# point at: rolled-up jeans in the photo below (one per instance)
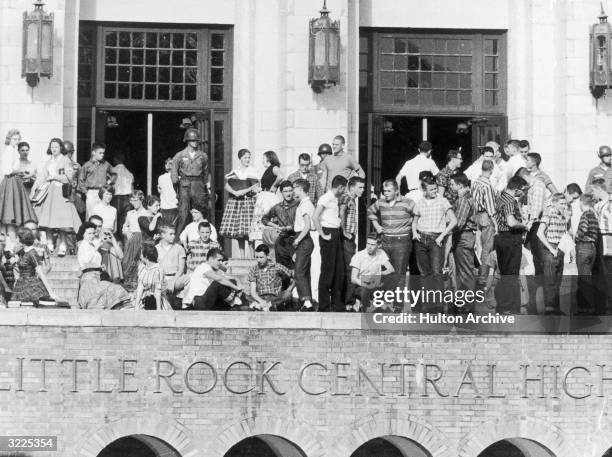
(303, 253)
(430, 259)
(398, 248)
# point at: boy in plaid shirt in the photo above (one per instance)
(266, 279)
(197, 250)
(553, 225)
(586, 254)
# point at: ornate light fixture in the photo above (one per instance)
(37, 45)
(600, 74)
(324, 51)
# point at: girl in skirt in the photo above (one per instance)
(242, 184)
(268, 197)
(15, 206)
(133, 240)
(32, 284)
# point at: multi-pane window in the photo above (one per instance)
(87, 45)
(217, 66)
(439, 72)
(364, 69)
(150, 65)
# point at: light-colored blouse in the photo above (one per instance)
(88, 256)
(131, 220)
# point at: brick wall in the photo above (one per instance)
(335, 423)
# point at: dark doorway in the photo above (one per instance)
(391, 446)
(444, 134)
(516, 447)
(138, 446)
(401, 138)
(265, 446)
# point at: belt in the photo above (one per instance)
(430, 233)
(88, 270)
(170, 274)
(397, 236)
(415, 188)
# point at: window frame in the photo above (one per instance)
(478, 72)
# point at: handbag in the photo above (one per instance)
(40, 194)
(66, 190)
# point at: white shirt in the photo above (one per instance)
(304, 208)
(108, 215)
(474, 172)
(413, 167)
(167, 194)
(369, 265)
(125, 180)
(514, 164)
(192, 233)
(198, 283)
(330, 217)
(415, 195)
(88, 256)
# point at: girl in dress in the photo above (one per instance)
(32, 284)
(54, 210)
(242, 184)
(268, 197)
(104, 209)
(93, 292)
(15, 206)
(150, 282)
(25, 168)
(133, 240)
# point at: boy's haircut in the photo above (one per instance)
(522, 172)
(356, 180)
(30, 221)
(108, 188)
(203, 224)
(428, 182)
(338, 181)
(524, 144)
(486, 149)
(573, 188)
(139, 194)
(163, 228)
(425, 146)
(214, 252)
(95, 217)
(263, 248)
(374, 236)
(461, 179)
(425, 174)
(151, 199)
(514, 143)
(97, 145)
(487, 165)
(302, 184)
(286, 183)
(341, 138)
(516, 182)
(149, 252)
(305, 157)
(390, 183)
(537, 158)
(587, 199)
(452, 154)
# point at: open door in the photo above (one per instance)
(372, 147)
(485, 129)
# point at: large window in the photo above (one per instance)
(438, 72)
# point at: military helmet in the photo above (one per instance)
(191, 135)
(605, 151)
(325, 149)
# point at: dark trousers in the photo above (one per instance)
(192, 192)
(303, 251)
(463, 252)
(169, 217)
(122, 204)
(364, 294)
(398, 248)
(349, 248)
(487, 236)
(214, 299)
(537, 249)
(586, 256)
(508, 290)
(284, 250)
(331, 280)
(553, 275)
(599, 280)
(430, 259)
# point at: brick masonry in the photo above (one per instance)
(331, 424)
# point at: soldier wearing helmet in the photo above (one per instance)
(190, 172)
(325, 150)
(340, 163)
(602, 170)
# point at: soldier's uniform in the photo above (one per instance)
(601, 171)
(190, 172)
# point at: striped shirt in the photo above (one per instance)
(556, 223)
(604, 213)
(465, 211)
(349, 224)
(484, 196)
(432, 214)
(506, 205)
(395, 216)
(197, 252)
(588, 227)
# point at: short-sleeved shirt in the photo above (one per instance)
(192, 232)
(167, 194)
(315, 190)
(107, 213)
(150, 278)
(169, 258)
(395, 216)
(94, 175)
(413, 167)
(443, 180)
(269, 280)
(197, 251)
(330, 216)
(506, 205)
(432, 214)
(465, 210)
(556, 223)
(349, 224)
(198, 282)
(588, 227)
(304, 208)
(342, 164)
(369, 265)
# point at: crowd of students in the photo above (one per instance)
(501, 226)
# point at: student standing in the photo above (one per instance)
(94, 174)
(302, 243)
(167, 195)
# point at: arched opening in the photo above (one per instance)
(516, 447)
(608, 453)
(265, 446)
(391, 446)
(139, 446)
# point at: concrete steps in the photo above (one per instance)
(65, 272)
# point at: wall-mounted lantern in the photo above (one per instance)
(600, 76)
(324, 51)
(37, 44)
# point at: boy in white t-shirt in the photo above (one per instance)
(167, 196)
(303, 243)
(368, 268)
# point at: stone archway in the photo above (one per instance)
(265, 446)
(411, 434)
(533, 437)
(391, 446)
(139, 446)
(516, 447)
(285, 437)
(150, 428)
